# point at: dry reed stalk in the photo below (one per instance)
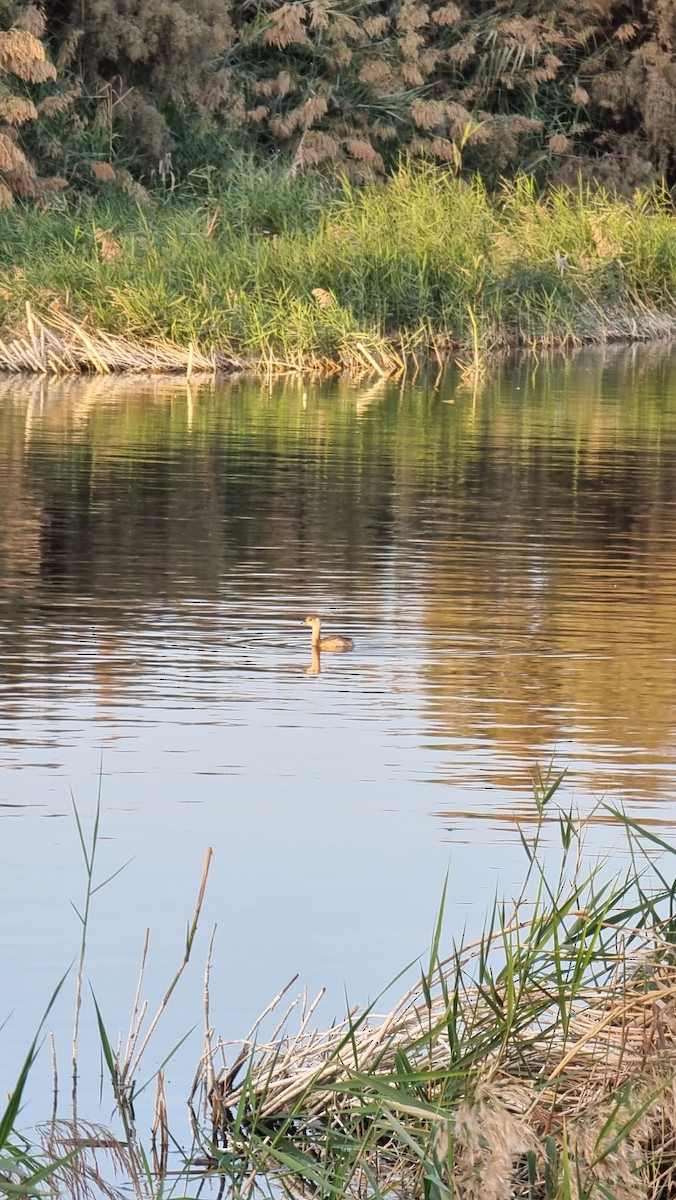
(160, 1130)
(128, 1068)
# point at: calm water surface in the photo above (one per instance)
(506, 563)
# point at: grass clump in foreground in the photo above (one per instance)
(278, 272)
(537, 1062)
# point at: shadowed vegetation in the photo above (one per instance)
(165, 88)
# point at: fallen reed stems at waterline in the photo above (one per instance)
(538, 1061)
(277, 273)
(58, 345)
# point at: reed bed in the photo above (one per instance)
(277, 273)
(538, 1061)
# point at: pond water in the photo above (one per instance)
(505, 561)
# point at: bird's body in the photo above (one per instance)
(334, 644)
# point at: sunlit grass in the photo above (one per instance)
(281, 270)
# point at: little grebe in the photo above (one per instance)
(335, 643)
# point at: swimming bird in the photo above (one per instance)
(335, 643)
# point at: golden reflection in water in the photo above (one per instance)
(315, 663)
(527, 815)
(577, 650)
(519, 549)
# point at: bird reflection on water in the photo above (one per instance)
(315, 667)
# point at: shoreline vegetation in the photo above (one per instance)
(279, 272)
(536, 1061)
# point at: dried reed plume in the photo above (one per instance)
(22, 57)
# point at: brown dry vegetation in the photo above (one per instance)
(23, 62)
(569, 1111)
(547, 85)
(534, 1063)
(555, 87)
(353, 84)
(42, 121)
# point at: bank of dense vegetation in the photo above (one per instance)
(229, 176)
(280, 271)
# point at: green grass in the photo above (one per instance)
(294, 271)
